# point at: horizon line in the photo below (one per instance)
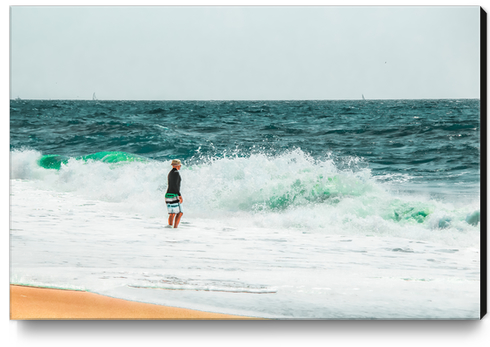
(375, 99)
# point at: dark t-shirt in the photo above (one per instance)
(174, 182)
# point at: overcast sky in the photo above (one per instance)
(244, 53)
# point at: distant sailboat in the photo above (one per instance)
(93, 97)
(363, 98)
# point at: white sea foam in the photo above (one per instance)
(63, 240)
(291, 190)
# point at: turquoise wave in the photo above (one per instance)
(322, 189)
(230, 186)
(54, 161)
(367, 201)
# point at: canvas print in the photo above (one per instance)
(245, 162)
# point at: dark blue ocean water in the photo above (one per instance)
(431, 140)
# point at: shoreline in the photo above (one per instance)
(37, 303)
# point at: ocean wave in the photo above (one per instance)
(54, 161)
(288, 190)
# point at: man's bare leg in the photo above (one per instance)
(171, 218)
(177, 219)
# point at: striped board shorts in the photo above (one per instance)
(173, 203)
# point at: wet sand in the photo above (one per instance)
(31, 303)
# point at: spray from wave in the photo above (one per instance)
(290, 190)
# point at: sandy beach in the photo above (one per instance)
(31, 303)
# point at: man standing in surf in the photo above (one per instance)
(172, 197)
